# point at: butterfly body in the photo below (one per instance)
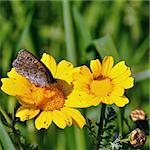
(27, 65)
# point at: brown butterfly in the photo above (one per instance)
(27, 65)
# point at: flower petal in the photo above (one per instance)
(117, 70)
(78, 99)
(82, 78)
(14, 87)
(50, 63)
(64, 71)
(68, 118)
(25, 113)
(107, 65)
(44, 120)
(122, 77)
(95, 66)
(127, 83)
(120, 101)
(13, 74)
(78, 119)
(59, 119)
(106, 100)
(118, 91)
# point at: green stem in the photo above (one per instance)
(100, 129)
(126, 121)
(125, 140)
(120, 121)
(69, 32)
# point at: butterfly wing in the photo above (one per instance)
(27, 65)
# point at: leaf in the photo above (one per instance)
(106, 47)
(140, 52)
(82, 28)
(82, 33)
(69, 32)
(5, 139)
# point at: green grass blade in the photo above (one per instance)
(82, 32)
(5, 140)
(8, 120)
(80, 138)
(105, 46)
(69, 32)
(81, 27)
(140, 52)
(25, 31)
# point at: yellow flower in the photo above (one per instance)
(49, 103)
(104, 83)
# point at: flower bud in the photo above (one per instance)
(137, 114)
(137, 138)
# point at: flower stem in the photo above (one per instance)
(100, 129)
(120, 122)
(125, 140)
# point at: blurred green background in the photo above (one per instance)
(44, 26)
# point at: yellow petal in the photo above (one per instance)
(127, 83)
(68, 119)
(95, 101)
(14, 87)
(76, 116)
(26, 100)
(78, 99)
(59, 119)
(13, 74)
(117, 70)
(118, 91)
(107, 65)
(95, 66)
(44, 120)
(50, 63)
(86, 71)
(120, 101)
(106, 100)
(64, 71)
(82, 78)
(122, 77)
(25, 113)
(76, 69)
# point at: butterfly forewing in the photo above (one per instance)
(27, 65)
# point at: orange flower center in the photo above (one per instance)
(48, 98)
(101, 87)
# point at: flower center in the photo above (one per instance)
(48, 98)
(101, 87)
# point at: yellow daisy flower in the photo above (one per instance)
(49, 103)
(104, 83)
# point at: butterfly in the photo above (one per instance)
(27, 65)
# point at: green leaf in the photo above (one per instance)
(85, 35)
(69, 32)
(82, 33)
(5, 139)
(106, 47)
(25, 31)
(140, 52)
